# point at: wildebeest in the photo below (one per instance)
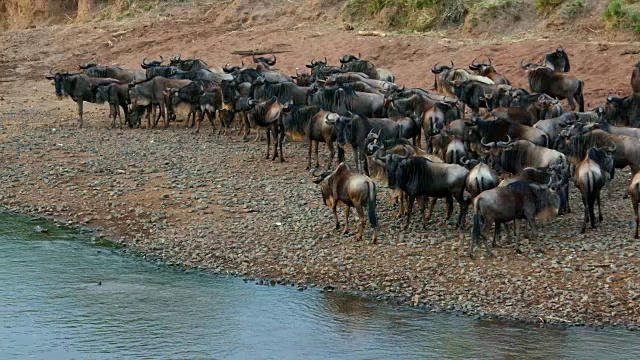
(117, 95)
(267, 115)
(553, 127)
(353, 190)
(446, 75)
(153, 63)
(421, 178)
(617, 130)
(528, 110)
(354, 129)
(343, 100)
(487, 70)
(455, 151)
(499, 129)
(623, 111)
(112, 72)
(78, 87)
(519, 200)
(302, 79)
(516, 155)
(555, 84)
(188, 94)
(312, 123)
(188, 64)
(352, 63)
(559, 60)
(579, 138)
(591, 176)
(473, 94)
(634, 191)
(284, 91)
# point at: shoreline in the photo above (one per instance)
(381, 298)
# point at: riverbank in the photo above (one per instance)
(214, 202)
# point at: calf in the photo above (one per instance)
(592, 174)
(519, 200)
(353, 190)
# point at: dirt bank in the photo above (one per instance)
(214, 202)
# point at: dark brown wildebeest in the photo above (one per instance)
(499, 129)
(559, 60)
(303, 79)
(481, 177)
(634, 191)
(352, 63)
(487, 70)
(623, 111)
(267, 115)
(519, 200)
(555, 84)
(342, 185)
(78, 87)
(421, 178)
(592, 174)
(313, 124)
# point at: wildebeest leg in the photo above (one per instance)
(363, 221)
(572, 104)
(198, 123)
(332, 153)
(433, 204)
(449, 200)
(347, 210)
(112, 115)
(80, 111)
(585, 203)
(334, 208)
(592, 213)
(274, 131)
(315, 149)
(281, 136)
(309, 142)
(534, 230)
(599, 207)
(516, 237)
(496, 233)
(356, 157)
(211, 116)
(422, 202)
(635, 211)
(268, 142)
(412, 199)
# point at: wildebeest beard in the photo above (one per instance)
(282, 91)
(336, 98)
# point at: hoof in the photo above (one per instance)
(518, 251)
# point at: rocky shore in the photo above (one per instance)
(214, 202)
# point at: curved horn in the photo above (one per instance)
(486, 144)
(144, 61)
(161, 59)
(273, 62)
(473, 65)
(612, 148)
(503, 143)
(490, 62)
(359, 57)
(464, 160)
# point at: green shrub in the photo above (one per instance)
(622, 15)
(573, 8)
(543, 5)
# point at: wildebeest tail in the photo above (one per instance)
(371, 204)
(580, 96)
(476, 227)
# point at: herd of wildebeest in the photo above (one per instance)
(523, 136)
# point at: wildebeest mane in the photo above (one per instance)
(336, 98)
(300, 117)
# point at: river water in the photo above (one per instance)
(52, 307)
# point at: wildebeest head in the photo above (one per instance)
(439, 69)
(603, 156)
(482, 68)
(175, 60)
(60, 79)
(558, 60)
(614, 109)
(303, 79)
(151, 64)
(394, 162)
(87, 66)
(342, 127)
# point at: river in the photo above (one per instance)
(63, 298)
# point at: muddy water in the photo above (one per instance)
(52, 307)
